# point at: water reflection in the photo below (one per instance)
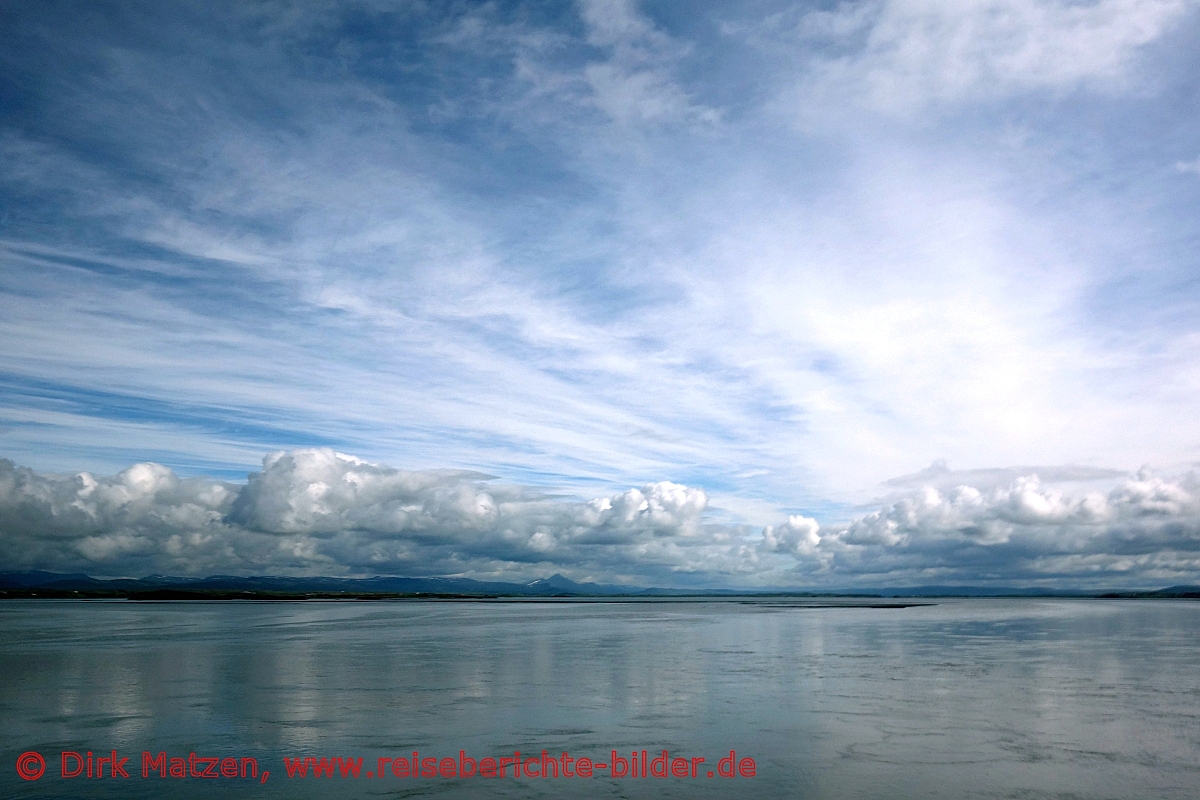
(969, 698)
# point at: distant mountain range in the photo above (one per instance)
(45, 584)
(220, 587)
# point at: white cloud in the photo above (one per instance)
(798, 536)
(1146, 528)
(939, 475)
(628, 74)
(634, 85)
(317, 511)
(899, 56)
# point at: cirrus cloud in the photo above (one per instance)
(900, 56)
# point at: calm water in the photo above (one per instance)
(964, 699)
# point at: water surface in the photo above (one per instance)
(991, 698)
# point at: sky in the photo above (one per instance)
(880, 293)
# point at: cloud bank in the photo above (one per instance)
(316, 511)
(319, 512)
(1146, 530)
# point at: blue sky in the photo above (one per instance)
(778, 253)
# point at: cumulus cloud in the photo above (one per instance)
(899, 56)
(316, 511)
(798, 536)
(1145, 530)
